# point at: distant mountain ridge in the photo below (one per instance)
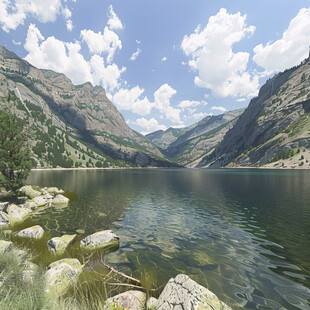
(84, 109)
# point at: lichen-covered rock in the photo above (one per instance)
(5, 246)
(29, 271)
(54, 190)
(34, 232)
(60, 244)
(61, 274)
(184, 293)
(4, 220)
(30, 205)
(17, 214)
(133, 300)
(40, 201)
(60, 199)
(104, 239)
(151, 303)
(29, 191)
(3, 206)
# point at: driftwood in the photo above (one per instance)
(130, 285)
(122, 274)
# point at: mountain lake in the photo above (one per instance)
(242, 233)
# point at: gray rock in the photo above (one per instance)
(16, 214)
(34, 232)
(5, 246)
(133, 300)
(29, 271)
(152, 303)
(104, 239)
(60, 199)
(29, 205)
(60, 244)
(40, 201)
(29, 191)
(61, 274)
(3, 206)
(54, 190)
(184, 293)
(4, 220)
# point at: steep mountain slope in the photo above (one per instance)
(186, 145)
(83, 111)
(275, 127)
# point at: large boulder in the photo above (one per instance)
(54, 190)
(60, 199)
(58, 245)
(3, 206)
(34, 232)
(61, 274)
(17, 214)
(133, 300)
(29, 191)
(5, 246)
(40, 201)
(4, 220)
(184, 293)
(104, 239)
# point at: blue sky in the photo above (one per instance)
(162, 63)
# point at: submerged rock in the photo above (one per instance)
(60, 199)
(29, 191)
(184, 293)
(60, 244)
(3, 206)
(61, 274)
(17, 214)
(5, 246)
(104, 239)
(133, 300)
(34, 232)
(4, 220)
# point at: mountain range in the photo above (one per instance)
(77, 125)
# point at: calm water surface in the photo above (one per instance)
(244, 234)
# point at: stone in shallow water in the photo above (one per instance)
(80, 231)
(5, 246)
(40, 201)
(133, 300)
(34, 232)
(104, 239)
(17, 214)
(54, 190)
(4, 220)
(29, 191)
(60, 244)
(61, 274)
(184, 293)
(60, 199)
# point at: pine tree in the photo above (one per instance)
(15, 161)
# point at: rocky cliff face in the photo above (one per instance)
(84, 109)
(274, 128)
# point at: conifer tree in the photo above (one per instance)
(15, 161)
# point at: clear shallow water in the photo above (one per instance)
(244, 234)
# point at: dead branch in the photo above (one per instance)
(130, 285)
(121, 273)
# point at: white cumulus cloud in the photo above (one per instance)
(288, 51)
(130, 99)
(150, 125)
(191, 103)
(13, 14)
(211, 55)
(135, 54)
(217, 108)
(69, 25)
(164, 59)
(106, 42)
(114, 22)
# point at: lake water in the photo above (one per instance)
(244, 234)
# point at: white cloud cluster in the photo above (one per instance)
(218, 108)
(69, 25)
(164, 58)
(106, 42)
(218, 67)
(114, 22)
(190, 104)
(135, 54)
(130, 99)
(13, 14)
(288, 51)
(150, 125)
(60, 56)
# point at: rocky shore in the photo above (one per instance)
(179, 293)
